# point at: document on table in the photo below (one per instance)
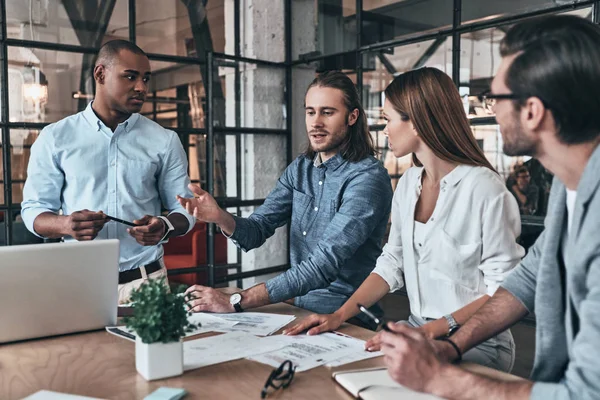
(209, 323)
(50, 395)
(360, 354)
(222, 348)
(260, 324)
(308, 352)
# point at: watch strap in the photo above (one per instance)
(169, 225)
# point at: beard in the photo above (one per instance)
(333, 142)
(515, 141)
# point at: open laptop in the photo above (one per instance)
(58, 288)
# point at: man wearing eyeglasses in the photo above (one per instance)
(547, 106)
(526, 193)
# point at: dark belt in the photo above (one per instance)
(134, 274)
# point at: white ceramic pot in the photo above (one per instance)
(158, 360)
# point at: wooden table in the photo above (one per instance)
(98, 364)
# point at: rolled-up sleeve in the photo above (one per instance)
(365, 205)
(501, 226)
(390, 266)
(173, 179)
(45, 180)
(522, 280)
(275, 212)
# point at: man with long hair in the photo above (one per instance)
(545, 96)
(336, 196)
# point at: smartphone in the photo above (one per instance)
(120, 220)
(372, 317)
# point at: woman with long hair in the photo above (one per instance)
(454, 223)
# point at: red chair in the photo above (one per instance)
(189, 251)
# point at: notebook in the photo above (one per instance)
(376, 384)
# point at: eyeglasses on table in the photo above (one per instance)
(281, 377)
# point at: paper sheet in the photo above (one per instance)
(308, 352)
(359, 354)
(260, 324)
(50, 395)
(227, 347)
(354, 357)
(210, 323)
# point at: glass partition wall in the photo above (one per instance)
(375, 40)
(215, 81)
(229, 76)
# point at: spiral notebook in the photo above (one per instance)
(376, 384)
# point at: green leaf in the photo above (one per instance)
(159, 315)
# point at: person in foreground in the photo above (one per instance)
(110, 158)
(338, 198)
(454, 223)
(547, 103)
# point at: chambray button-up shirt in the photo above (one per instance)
(338, 212)
(79, 163)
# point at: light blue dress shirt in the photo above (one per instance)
(79, 163)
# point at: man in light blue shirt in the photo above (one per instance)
(113, 161)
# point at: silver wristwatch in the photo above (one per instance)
(236, 301)
(452, 324)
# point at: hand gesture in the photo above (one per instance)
(203, 206)
(150, 230)
(85, 224)
(317, 322)
(202, 298)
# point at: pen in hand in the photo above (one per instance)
(372, 317)
(119, 220)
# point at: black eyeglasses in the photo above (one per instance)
(488, 99)
(279, 378)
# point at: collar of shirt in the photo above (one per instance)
(333, 163)
(97, 124)
(452, 178)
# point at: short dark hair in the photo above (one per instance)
(558, 59)
(521, 170)
(358, 143)
(110, 50)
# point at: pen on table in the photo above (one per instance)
(374, 318)
(119, 220)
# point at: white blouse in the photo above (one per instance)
(463, 252)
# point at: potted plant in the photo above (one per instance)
(160, 322)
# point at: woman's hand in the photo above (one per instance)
(317, 323)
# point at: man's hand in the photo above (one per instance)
(203, 298)
(203, 206)
(85, 224)
(150, 230)
(320, 322)
(410, 357)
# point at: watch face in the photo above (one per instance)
(235, 298)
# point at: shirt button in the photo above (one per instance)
(112, 164)
(431, 219)
(420, 244)
(320, 183)
(113, 191)
(304, 233)
(316, 208)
